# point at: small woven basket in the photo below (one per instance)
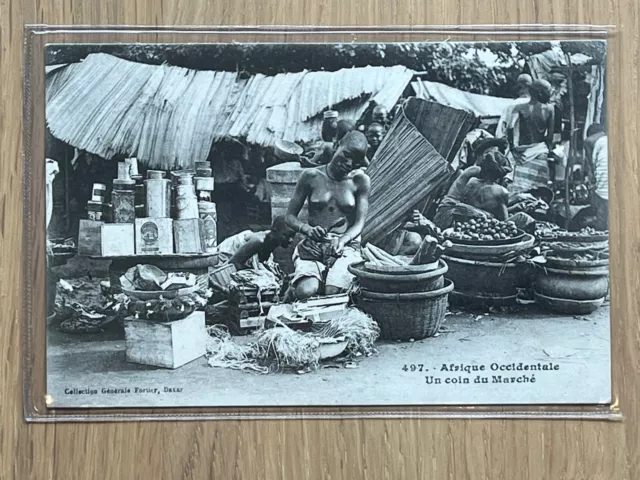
(406, 316)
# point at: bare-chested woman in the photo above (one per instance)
(338, 200)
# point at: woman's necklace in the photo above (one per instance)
(326, 167)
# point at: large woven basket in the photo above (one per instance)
(430, 280)
(406, 316)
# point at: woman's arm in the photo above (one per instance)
(302, 191)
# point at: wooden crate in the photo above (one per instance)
(118, 239)
(90, 238)
(187, 236)
(168, 344)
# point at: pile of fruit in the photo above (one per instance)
(378, 256)
(482, 229)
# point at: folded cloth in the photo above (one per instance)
(532, 170)
(314, 260)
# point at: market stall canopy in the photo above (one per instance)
(169, 116)
(546, 66)
(483, 106)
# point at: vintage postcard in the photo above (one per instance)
(353, 224)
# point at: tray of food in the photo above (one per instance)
(488, 231)
(586, 235)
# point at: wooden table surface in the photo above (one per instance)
(330, 449)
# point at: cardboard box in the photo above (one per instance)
(187, 235)
(118, 239)
(90, 238)
(168, 345)
(154, 236)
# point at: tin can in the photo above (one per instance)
(186, 202)
(158, 197)
(99, 192)
(182, 177)
(95, 210)
(156, 174)
(124, 184)
(133, 166)
(204, 171)
(208, 226)
(123, 202)
(124, 171)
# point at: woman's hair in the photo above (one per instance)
(344, 127)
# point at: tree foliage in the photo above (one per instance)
(461, 65)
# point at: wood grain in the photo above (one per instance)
(332, 449)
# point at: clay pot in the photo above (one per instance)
(573, 284)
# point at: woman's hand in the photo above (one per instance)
(317, 234)
(337, 245)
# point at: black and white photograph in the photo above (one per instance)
(327, 224)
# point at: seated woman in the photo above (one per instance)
(338, 200)
(477, 193)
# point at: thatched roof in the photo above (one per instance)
(170, 116)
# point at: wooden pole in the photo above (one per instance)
(572, 142)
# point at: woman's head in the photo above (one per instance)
(494, 166)
(350, 152)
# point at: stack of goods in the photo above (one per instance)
(165, 328)
(488, 262)
(575, 279)
(407, 297)
(142, 215)
(98, 238)
(252, 293)
(205, 184)
(96, 206)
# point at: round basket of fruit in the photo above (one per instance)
(586, 235)
(489, 231)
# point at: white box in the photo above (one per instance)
(165, 344)
(117, 239)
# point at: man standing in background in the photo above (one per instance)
(596, 149)
(507, 119)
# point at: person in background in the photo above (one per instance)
(507, 118)
(324, 156)
(375, 134)
(477, 193)
(249, 249)
(338, 199)
(531, 138)
(380, 115)
(596, 148)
